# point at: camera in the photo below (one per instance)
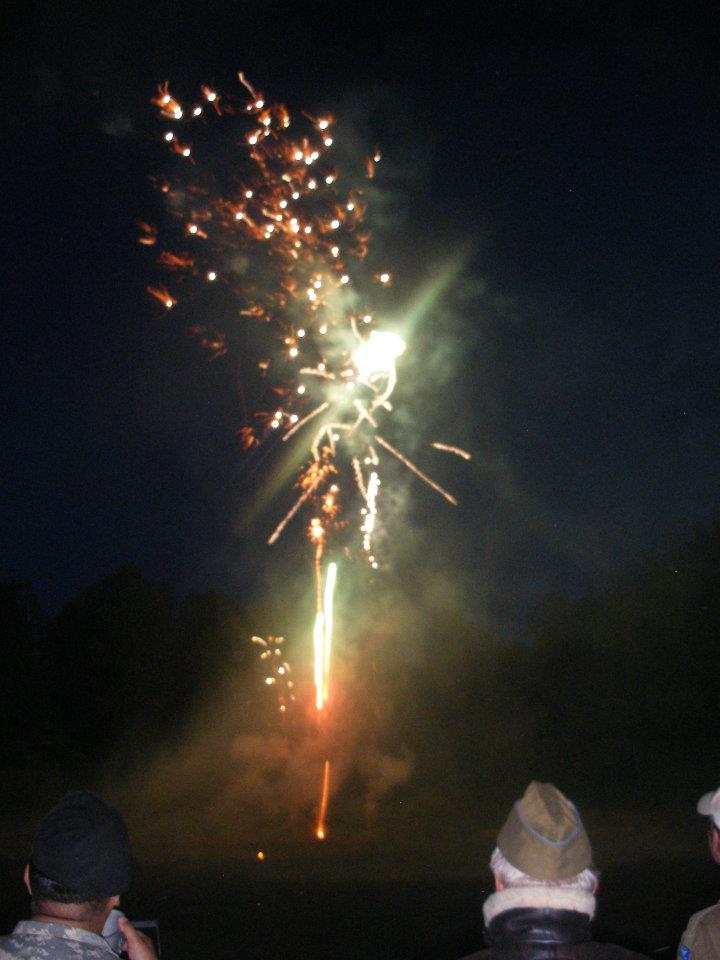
(114, 938)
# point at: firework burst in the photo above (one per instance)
(261, 214)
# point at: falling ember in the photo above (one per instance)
(458, 451)
(418, 473)
(322, 812)
(161, 294)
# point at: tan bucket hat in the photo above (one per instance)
(709, 806)
(544, 836)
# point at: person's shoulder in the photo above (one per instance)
(594, 950)
(702, 934)
(708, 916)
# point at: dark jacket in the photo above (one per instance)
(541, 933)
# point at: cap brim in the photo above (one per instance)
(709, 804)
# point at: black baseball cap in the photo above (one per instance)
(83, 844)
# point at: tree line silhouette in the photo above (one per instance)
(617, 686)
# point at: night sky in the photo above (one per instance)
(567, 151)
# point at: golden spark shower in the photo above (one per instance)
(263, 212)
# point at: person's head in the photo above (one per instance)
(709, 806)
(543, 843)
(80, 863)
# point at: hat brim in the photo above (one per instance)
(709, 804)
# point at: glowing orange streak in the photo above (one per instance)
(320, 830)
(301, 423)
(456, 450)
(322, 630)
(292, 511)
(328, 627)
(161, 294)
(418, 473)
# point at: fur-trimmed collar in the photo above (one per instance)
(551, 898)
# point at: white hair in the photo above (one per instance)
(510, 876)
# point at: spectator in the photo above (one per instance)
(80, 864)
(701, 940)
(545, 885)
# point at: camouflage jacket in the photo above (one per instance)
(31, 940)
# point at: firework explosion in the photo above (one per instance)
(278, 227)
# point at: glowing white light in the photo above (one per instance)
(384, 277)
(266, 122)
(169, 136)
(334, 224)
(350, 206)
(312, 184)
(300, 333)
(259, 104)
(212, 275)
(321, 367)
(367, 318)
(282, 204)
(324, 124)
(296, 195)
(298, 154)
(186, 152)
(344, 278)
(317, 284)
(378, 353)
(248, 194)
(178, 113)
(307, 229)
(329, 180)
(301, 389)
(312, 296)
(192, 228)
(166, 99)
(293, 418)
(335, 251)
(293, 351)
(252, 139)
(212, 96)
(323, 329)
(197, 111)
(350, 385)
(275, 424)
(239, 215)
(328, 141)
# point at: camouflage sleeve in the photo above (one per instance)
(701, 940)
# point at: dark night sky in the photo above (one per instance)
(572, 148)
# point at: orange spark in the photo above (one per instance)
(322, 812)
(161, 294)
(175, 261)
(149, 234)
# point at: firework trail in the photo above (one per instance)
(263, 227)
